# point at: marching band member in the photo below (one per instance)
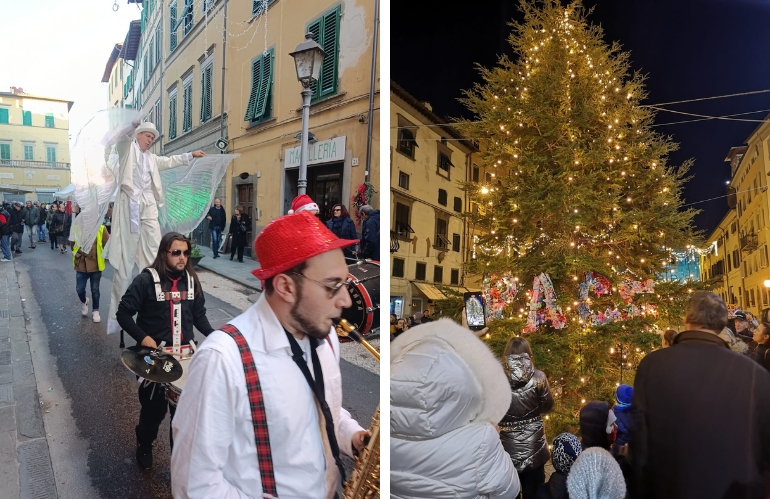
(168, 300)
(261, 413)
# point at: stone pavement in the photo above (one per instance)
(25, 461)
(233, 270)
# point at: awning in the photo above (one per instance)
(66, 193)
(15, 189)
(430, 291)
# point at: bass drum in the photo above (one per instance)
(364, 289)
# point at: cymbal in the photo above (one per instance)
(151, 364)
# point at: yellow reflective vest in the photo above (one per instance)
(98, 246)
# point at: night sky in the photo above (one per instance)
(687, 48)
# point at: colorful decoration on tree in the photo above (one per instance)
(601, 286)
(542, 306)
(629, 288)
(364, 194)
(498, 292)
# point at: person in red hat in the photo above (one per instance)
(261, 413)
(304, 203)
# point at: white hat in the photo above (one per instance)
(147, 127)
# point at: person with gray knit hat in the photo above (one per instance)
(565, 450)
(596, 475)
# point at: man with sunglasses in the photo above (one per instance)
(261, 412)
(167, 290)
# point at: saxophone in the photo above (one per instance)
(364, 482)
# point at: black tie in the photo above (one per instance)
(317, 387)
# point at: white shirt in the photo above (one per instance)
(214, 451)
(143, 178)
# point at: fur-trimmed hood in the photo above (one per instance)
(442, 377)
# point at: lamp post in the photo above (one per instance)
(308, 57)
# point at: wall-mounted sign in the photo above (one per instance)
(325, 151)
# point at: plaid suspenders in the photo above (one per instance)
(258, 414)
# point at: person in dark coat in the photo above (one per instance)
(370, 233)
(703, 429)
(239, 226)
(522, 431)
(60, 226)
(17, 226)
(623, 396)
(343, 227)
(217, 221)
(566, 448)
(759, 348)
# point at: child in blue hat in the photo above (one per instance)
(623, 396)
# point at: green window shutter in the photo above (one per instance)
(4, 115)
(144, 15)
(256, 78)
(50, 152)
(172, 117)
(206, 94)
(158, 44)
(315, 29)
(27, 118)
(5, 151)
(29, 153)
(331, 31)
(172, 25)
(263, 96)
(152, 5)
(150, 55)
(187, 109)
(49, 122)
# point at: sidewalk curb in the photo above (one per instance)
(25, 461)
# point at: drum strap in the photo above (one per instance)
(258, 413)
(175, 297)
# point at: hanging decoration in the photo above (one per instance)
(629, 288)
(364, 194)
(600, 285)
(542, 306)
(498, 292)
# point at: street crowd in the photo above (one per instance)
(696, 423)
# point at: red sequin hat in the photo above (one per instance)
(290, 240)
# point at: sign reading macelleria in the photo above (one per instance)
(325, 151)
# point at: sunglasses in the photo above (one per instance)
(332, 289)
(179, 252)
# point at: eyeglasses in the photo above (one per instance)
(332, 289)
(179, 252)
(337, 209)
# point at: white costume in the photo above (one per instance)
(214, 450)
(447, 394)
(135, 228)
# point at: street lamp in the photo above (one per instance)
(308, 57)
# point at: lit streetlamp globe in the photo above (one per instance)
(767, 283)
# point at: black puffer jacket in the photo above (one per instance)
(522, 432)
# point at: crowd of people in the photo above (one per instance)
(466, 424)
(39, 221)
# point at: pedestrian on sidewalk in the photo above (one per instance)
(343, 227)
(42, 213)
(5, 234)
(217, 221)
(370, 233)
(522, 431)
(172, 274)
(89, 267)
(240, 225)
(565, 449)
(49, 223)
(293, 448)
(17, 226)
(62, 222)
(31, 217)
(447, 393)
(702, 429)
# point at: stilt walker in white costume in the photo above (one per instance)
(135, 228)
(153, 195)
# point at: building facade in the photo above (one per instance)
(430, 240)
(34, 145)
(221, 69)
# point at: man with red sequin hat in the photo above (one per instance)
(261, 414)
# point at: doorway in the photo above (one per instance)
(246, 199)
(324, 186)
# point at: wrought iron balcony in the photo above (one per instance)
(394, 244)
(33, 164)
(749, 243)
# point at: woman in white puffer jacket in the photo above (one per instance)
(447, 393)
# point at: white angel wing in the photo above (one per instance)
(95, 169)
(189, 191)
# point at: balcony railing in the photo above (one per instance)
(33, 164)
(394, 245)
(749, 243)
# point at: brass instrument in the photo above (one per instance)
(364, 482)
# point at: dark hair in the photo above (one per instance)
(344, 211)
(160, 259)
(707, 310)
(269, 288)
(766, 331)
(517, 345)
(669, 336)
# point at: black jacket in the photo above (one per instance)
(370, 236)
(523, 434)
(236, 229)
(154, 317)
(218, 218)
(17, 217)
(557, 485)
(61, 223)
(703, 422)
